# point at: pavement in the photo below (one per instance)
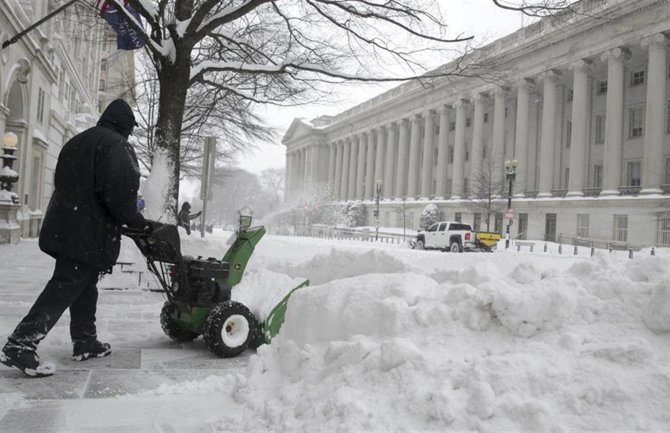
(142, 358)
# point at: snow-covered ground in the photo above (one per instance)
(389, 339)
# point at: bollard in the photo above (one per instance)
(518, 247)
(593, 251)
(575, 250)
(630, 253)
(545, 247)
(531, 247)
(611, 248)
(560, 248)
(653, 251)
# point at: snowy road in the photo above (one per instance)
(385, 339)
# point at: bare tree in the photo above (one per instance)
(486, 192)
(272, 180)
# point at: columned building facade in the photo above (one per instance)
(581, 102)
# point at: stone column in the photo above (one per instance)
(477, 141)
(498, 145)
(427, 163)
(653, 166)
(413, 169)
(360, 173)
(353, 164)
(338, 169)
(297, 177)
(331, 166)
(459, 149)
(521, 136)
(547, 140)
(580, 128)
(288, 175)
(346, 163)
(614, 120)
(442, 154)
(390, 166)
(379, 161)
(403, 156)
(370, 166)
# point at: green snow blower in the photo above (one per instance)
(198, 290)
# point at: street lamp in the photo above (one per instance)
(510, 170)
(378, 193)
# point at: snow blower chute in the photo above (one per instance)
(198, 290)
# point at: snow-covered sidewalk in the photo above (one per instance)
(385, 339)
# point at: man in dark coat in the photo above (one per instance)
(184, 217)
(96, 183)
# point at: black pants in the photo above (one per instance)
(72, 285)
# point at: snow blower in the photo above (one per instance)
(198, 290)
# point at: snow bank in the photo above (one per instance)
(530, 347)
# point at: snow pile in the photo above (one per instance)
(528, 347)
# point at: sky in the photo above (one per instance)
(384, 339)
(479, 18)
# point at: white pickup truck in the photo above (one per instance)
(455, 236)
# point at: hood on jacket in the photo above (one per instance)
(119, 117)
(186, 206)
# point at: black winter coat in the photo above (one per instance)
(96, 183)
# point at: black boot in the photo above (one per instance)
(93, 349)
(25, 360)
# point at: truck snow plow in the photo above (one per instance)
(456, 237)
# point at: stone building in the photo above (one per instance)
(578, 100)
(49, 91)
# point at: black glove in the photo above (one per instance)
(139, 223)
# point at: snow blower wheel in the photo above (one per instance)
(229, 329)
(172, 328)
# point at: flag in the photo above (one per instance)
(126, 37)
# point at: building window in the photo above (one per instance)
(620, 232)
(103, 64)
(598, 176)
(583, 225)
(468, 122)
(568, 134)
(637, 77)
(458, 216)
(102, 86)
(667, 171)
(602, 87)
(452, 126)
(567, 177)
(477, 222)
(635, 122)
(571, 95)
(466, 186)
(634, 173)
(667, 118)
(435, 153)
(506, 111)
(40, 105)
(498, 222)
(437, 129)
(486, 117)
(522, 226)
(451, 154)
(663, 230)
(600, 128)
(484, 149)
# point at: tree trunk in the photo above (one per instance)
(174, 81)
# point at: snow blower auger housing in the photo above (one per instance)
(198, 289)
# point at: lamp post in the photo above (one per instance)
(378, 193)
(510, 170)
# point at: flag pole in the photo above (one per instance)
(47, 17)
